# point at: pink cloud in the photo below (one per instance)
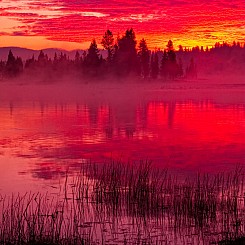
(81, 21)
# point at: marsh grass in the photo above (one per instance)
(126, 203)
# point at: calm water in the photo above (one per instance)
(185, 129)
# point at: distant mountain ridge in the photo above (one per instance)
(25, 53)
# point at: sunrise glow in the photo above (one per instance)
(73, 24)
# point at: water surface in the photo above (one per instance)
(187, 127)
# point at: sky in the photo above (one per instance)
(72, 24)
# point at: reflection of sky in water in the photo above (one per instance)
(41, 141)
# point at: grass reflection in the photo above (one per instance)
(131, 203)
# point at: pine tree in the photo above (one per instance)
(126, 57)
(42, 59)
(144, 56)
(92, 60)
(191, 71)
(108, 44)
(164, 65)
(77, 61)
(172, 68)
(11, 65)
(180, 68)
(55, 61)
(154, 65)
(19, 65)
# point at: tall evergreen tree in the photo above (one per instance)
(164, 65)
(144, 56)
(126, 57)
(42, 59)
(77, 61)
(55, 61)
(180, 68)
(172, 62)
(154, 65)
(2, 68)
(92, 60)
(30, 63)
(191, 71)
(19, 65)
(108, 44)
(10, 65)
(14, 66)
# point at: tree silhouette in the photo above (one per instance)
(30, 63)
(154, 65)
(172, 66)
(126, 56)
(144, 56)
(2, 68)
(180, 68)
(108, 44)
(164, 65)
(191, 71)
(14, 66)
(77, 61)
(170, 45)
(123, 59)
(19, 65)
(92, 60)
(55, 62)
(42, 59)
(10, 65)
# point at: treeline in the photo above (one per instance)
(124, 58)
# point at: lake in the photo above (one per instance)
(49, 131)
(188, 127)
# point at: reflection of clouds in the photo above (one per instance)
(48, 171)
(183, 131)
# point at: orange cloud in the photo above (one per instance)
(189, 23)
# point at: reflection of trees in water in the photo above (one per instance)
(85, 131)
(11, 108)
(171, 113)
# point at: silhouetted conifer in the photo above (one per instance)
(144, 56)
(92, 60)
(10, 65)
(19, 65)
(55, 62)
(30, 63)
(180, 68)
(191, 71)
(126, 55)
(14, 66)
(154, 65)
(2, 68)
(172, 66)
(164, 65)
(108, 44)
(42, 59)
(181, 48)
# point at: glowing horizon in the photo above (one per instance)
(73, 24)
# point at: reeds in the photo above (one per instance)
(128, 203)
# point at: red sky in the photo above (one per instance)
(72, 24)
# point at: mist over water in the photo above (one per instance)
(187, 126)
